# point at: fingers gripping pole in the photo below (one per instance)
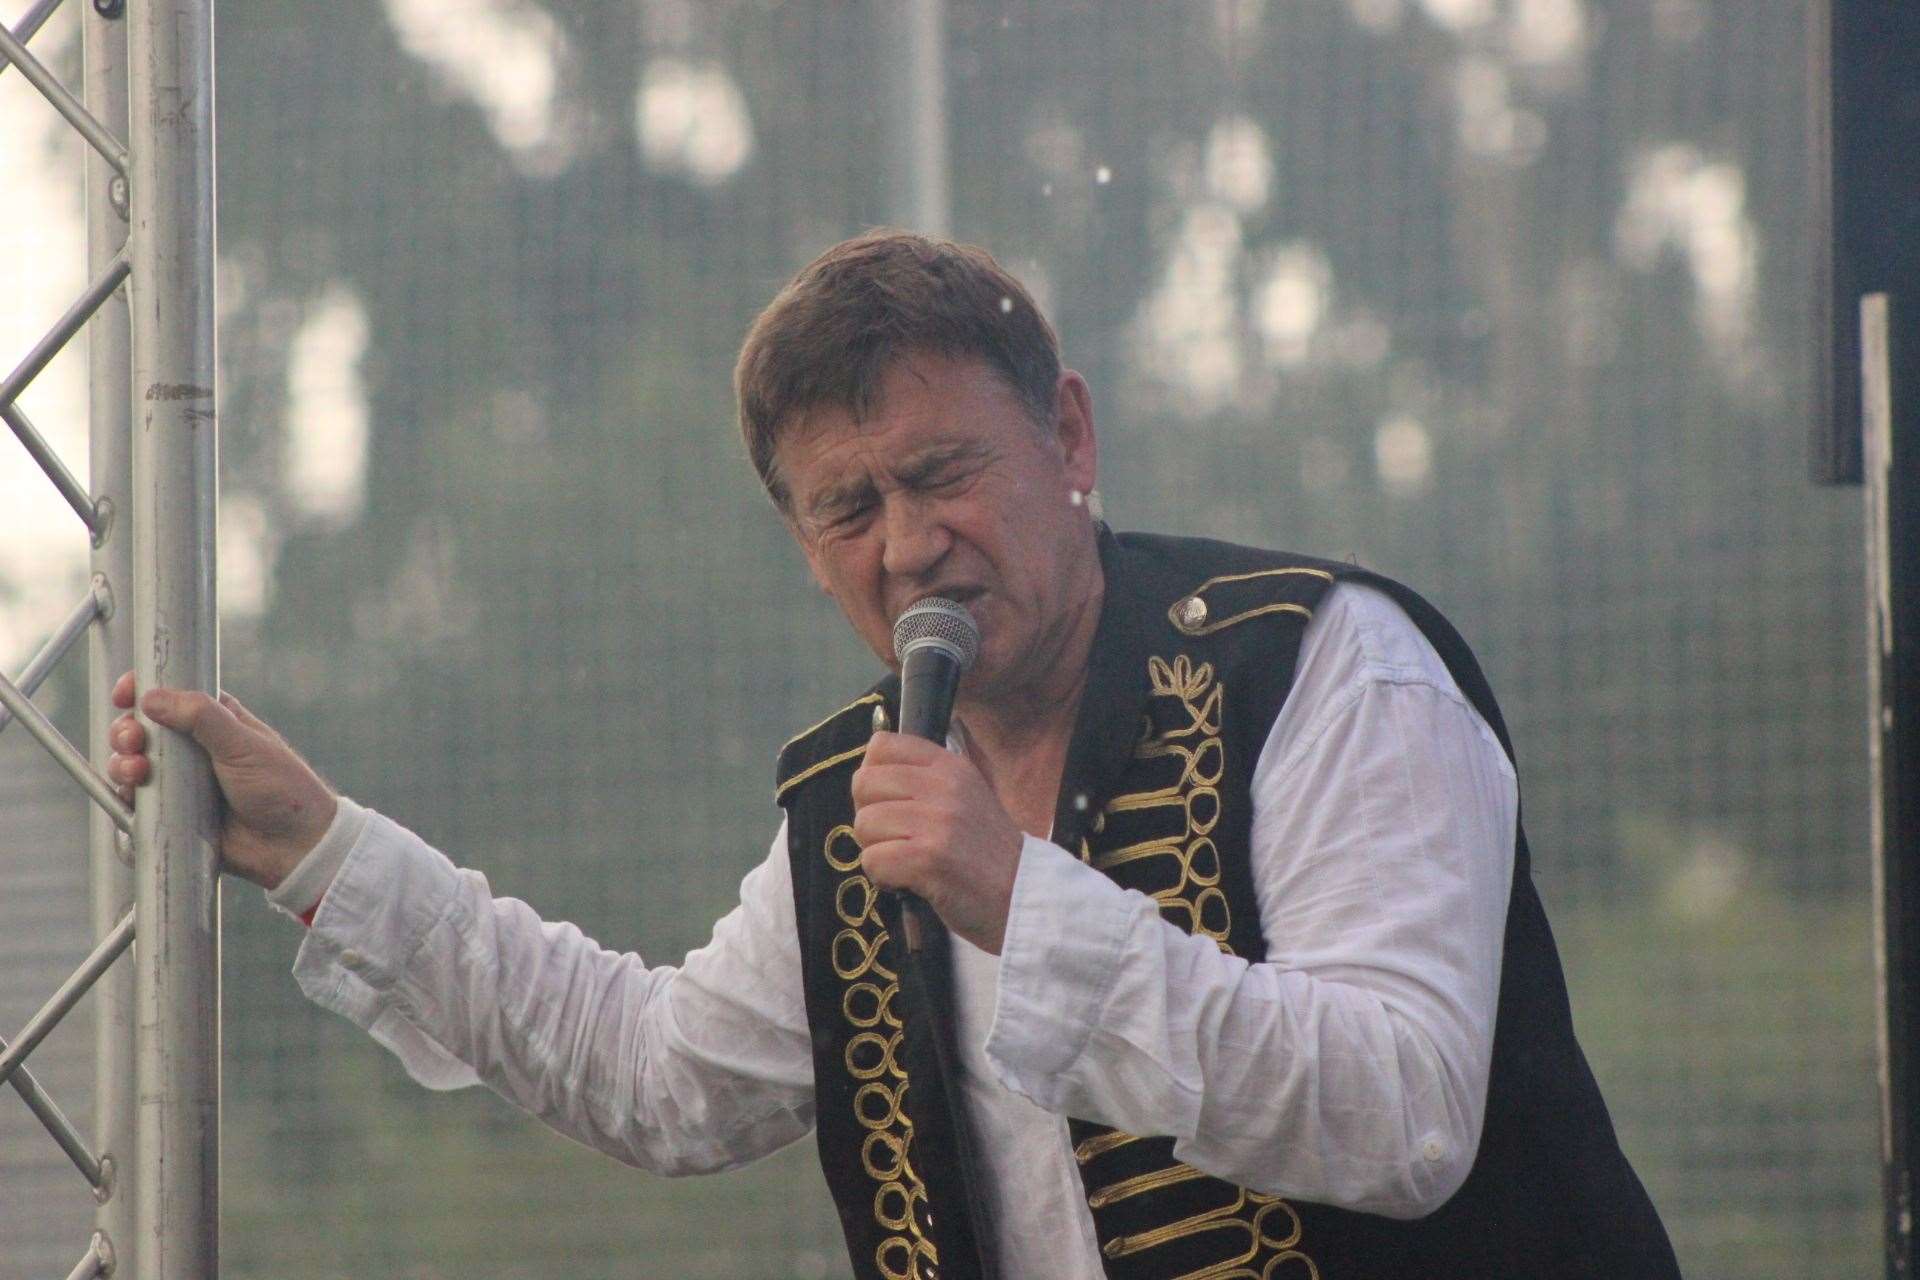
(176, 887)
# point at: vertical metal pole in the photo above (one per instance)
(176, 876)
(103, 35)
(913, 69)
(1890, 366)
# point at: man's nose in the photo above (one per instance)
(916, 537)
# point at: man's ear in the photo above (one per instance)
(1073, 431)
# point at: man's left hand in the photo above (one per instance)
(929, 823)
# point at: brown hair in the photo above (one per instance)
(833, 333)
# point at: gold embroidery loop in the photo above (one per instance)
(855, 1005)
(889, 1100)
(843, 851)
(869, 1056)
(868, 895)
(866, 949)
(1270, 1206)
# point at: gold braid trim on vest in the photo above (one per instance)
(1168, 853)
(872, 1057)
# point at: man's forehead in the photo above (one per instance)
(855, 457)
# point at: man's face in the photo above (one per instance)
(951, 488)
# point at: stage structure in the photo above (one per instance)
(146, 112)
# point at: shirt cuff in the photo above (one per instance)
(1061, 955)
(299, 894)
(389, 893)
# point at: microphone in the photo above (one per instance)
(935, 641)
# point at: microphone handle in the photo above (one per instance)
(929, 679)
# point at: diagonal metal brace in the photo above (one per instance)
(96, 605)
(66, 755)
(98, 137)
(71, 489)
(30, 23)
(105, 952)
(96, 1171)
(62, 332)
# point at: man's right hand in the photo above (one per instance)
(274, 806)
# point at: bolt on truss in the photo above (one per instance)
(148, 508)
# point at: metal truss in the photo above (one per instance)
(148, 509)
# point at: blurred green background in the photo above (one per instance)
(1510, 299)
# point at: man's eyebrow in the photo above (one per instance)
(925, 466)
(846, 496)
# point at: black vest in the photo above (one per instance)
(1193, 657)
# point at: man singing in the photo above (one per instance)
(1242, 971)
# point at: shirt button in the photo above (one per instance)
(352, 959)
(1433, 1149)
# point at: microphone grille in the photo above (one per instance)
(941, 622)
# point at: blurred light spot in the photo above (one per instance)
(1403, 454)
(1711, 875)
(1679, 200)
(1290, 304)
(1006, 305)
(1376, 15)
(1189, 325)
(247, 550)
(1103, 175)
(325, 463)
(1458, 15)
(1545, 33)
(1489, 125)
(693, 120)
(43, 246)
(503, 55)
(1239, 167)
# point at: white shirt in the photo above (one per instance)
(1348, 1068)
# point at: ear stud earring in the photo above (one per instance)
(1090, 499)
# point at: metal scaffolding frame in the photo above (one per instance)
(149, 508)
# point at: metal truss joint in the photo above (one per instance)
(110, 9)
(102, 595)
(103, 1189)
(123, 846)
(102, 523)
(117, 188)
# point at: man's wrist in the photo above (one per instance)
(299, 894)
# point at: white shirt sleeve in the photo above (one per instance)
(1350, 1067)
(678, 1070)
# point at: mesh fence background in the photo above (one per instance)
(1506, 298)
